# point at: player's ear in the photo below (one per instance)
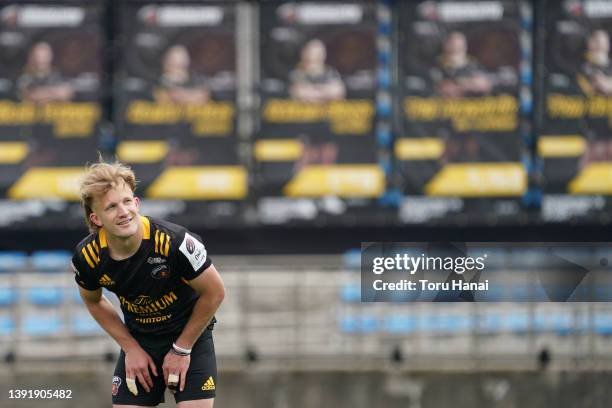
(137, 203)
(93, 217)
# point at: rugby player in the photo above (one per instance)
(168, 288)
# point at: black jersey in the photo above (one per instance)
(152, 285)
(329, 75)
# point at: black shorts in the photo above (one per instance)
(201, 376)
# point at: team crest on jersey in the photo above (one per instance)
(116, 385)
(156, 260)
(160, 272)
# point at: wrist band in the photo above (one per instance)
(173, 351)
(181, 351)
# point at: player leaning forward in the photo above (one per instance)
(168, 288)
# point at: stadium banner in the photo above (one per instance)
(464, 76)
(485, 272)
(175, 106)
(575, 140)
(50, 92)
(315, 152)
(175, 96)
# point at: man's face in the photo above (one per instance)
(176, 59)
(599, 42)
(314, 53)
(117, 211)
(456, 44)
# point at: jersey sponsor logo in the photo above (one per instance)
(190, 245)
(209, 385)
(160, 272)
(157, 260)
(149, 320)
(105, 280)
(142, 300)
(116, 385)
(197, 255)
(145, 305)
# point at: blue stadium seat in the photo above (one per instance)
(8, 296)
(490, 324)
(11, 261)
(83, 324)
(40, 325)
(7, 325)
(351, 293)
(563, 324)
(456, 323)
(400, 324)
(603, 324)
(351, 259)
(45, 295)
(517, 323)
(359, 324)
(445, 324)
(51, 261)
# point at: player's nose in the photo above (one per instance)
(122, 209)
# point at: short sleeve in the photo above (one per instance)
(82, 275)
(192, 256)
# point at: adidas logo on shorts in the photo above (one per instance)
(209, 385)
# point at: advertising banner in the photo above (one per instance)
(461, 74)
(175, 99)
(50, 89)
(316, 151)
(575, 142)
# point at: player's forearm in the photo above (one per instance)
(106, 316)
(202, 314)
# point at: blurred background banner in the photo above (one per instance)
(575, 142)
(50, 90)
(318, 114)
(332, 114)
(460, 142)
(175, 94)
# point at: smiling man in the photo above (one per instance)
(166, 284)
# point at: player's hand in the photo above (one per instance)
(177, 365)
(137, 364)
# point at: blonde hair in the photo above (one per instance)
(98, 179)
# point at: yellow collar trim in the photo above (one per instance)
(146, 227)
(102, 237)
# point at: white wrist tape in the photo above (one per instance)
(180, 349)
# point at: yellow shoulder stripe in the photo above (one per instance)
(167, 248)
(87, 257)
(92, 253)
